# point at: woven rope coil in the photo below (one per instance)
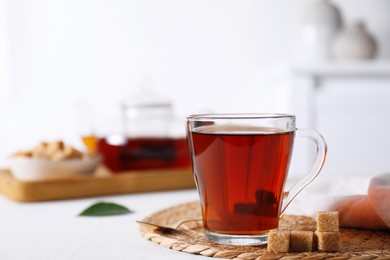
(356, 244)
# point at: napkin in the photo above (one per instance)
(371, 211)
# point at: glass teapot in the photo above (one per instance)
(147, 114)
(149, 140)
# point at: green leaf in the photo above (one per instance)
(105, 209)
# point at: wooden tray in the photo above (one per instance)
(102, 182)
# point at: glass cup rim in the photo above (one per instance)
(238, 116)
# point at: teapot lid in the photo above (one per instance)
(147, 98)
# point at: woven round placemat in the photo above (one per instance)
(356, 244)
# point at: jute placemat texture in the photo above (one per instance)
(356, 244)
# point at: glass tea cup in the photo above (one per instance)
(240, 164)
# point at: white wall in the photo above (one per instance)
(206, 55)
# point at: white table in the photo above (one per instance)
(52, 230)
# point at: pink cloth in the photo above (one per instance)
(371, 211)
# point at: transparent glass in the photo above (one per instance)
(240, 164)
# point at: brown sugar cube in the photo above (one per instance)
(327, 221)
(301, 241)
(58, 156)
(54, 147)
(71, 153)
(311, 228)
(41, 146)
(39, 154)
(39, 151)
(26, 154)
(328, 241)
(278, 241)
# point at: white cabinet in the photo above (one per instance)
(350, 105)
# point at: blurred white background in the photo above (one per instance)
(205, 55)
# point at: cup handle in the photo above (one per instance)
(314, 171)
